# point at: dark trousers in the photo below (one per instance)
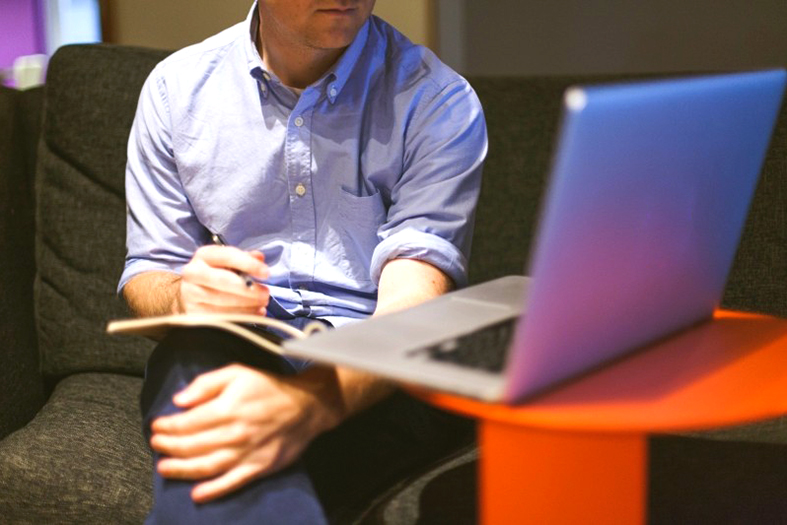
(339, 472)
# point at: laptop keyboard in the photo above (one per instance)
(484, 349)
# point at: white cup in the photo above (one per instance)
(29, 71)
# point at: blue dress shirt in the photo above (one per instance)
(379, 159)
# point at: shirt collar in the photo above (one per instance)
(341, 71)
(253, 58)
(334, 80)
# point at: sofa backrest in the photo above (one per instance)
(758, 281)
(91, 97)
(522, 118)
(20, 113)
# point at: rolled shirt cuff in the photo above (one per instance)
(414, 244)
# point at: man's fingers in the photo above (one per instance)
(205, 386)
(233, 258)
(200, 467)
(202, 394)
(211, 282)
(221, 278)
(201, 417)
(201, 443)
(229, 309)
(226, 483)
(224, 289)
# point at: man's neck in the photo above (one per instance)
(297, 66)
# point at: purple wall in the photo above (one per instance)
(21, 30)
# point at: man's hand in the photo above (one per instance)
(240, 424)
(210, 283)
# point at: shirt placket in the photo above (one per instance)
(301, 194)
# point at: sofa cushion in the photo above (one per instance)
(82, 459)
(80, 241)
(447, 492)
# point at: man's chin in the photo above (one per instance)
(334, 33)
(333, 40)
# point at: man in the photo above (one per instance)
(343, 164)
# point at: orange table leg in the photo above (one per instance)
(546, 476)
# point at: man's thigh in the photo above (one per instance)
(186, 353)
(284, 497)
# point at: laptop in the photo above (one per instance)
(648, 194)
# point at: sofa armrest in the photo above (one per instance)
(21, 384)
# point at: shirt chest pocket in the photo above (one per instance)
(358, 219)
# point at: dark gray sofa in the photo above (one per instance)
(70, 446)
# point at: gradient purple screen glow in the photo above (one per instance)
(21, 30)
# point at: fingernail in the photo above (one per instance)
(181, 398)
(198, 495)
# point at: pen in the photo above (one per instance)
(219, 240)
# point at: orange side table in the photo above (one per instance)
(578, 454)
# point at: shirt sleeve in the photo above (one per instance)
(433, 204)
(162, 232)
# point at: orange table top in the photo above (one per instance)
(730, 370)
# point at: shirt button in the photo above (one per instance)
(300, 190)
(333, 91)
(266, 76)
(299, 121)
(302, 288)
